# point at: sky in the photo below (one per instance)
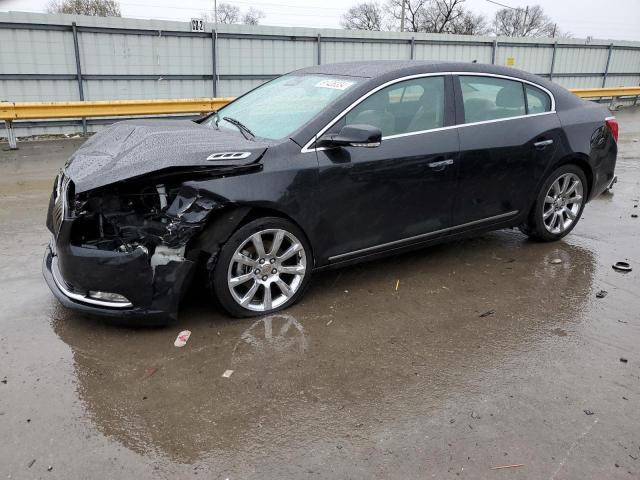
(613, 19)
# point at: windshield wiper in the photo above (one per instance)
(241, 126)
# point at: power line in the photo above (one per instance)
(503, 5)
(242, 2)
(277, 11)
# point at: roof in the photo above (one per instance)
(370, 69)
(376, 68)
(383, 70)
(378, 72)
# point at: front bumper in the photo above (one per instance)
(154, 295)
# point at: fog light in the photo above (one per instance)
(108, 297)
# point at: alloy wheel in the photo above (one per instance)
(266, 270)
(562, 203)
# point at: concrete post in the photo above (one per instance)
(11, 135)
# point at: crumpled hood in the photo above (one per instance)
(132, 148)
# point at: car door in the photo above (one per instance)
(508, 135)
(383, 197)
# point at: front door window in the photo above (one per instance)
(404, 107)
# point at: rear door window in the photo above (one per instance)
(489, 98)
(537, 100)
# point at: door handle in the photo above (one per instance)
(442, 163)
(542, 144)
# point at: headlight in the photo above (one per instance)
(108, 296)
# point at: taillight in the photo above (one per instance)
(612, 123)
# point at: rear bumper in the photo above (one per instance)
(153, 299)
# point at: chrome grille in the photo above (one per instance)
(60, 203)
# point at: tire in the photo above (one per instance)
(249, 278)
(558, 206)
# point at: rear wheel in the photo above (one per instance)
(264, 267)
(558, 206)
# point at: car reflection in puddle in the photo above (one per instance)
(385, 358)
(270, 338)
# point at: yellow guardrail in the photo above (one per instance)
(12, 111)
(607, 92)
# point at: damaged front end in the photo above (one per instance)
(123, 249)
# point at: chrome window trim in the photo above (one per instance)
(307, 148)
(461, 125)
(81, 298)
(423, 235)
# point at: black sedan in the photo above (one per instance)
(319, 168)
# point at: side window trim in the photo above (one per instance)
(449, 102)
(459, 108)
(526, 100)
(533, 87)
(457, 89)
(448, 115)
(453, 95)
(489, 103)
(447, 120)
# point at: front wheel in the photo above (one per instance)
(264, 267)
(558, 206)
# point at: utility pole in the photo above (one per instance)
(402, 17)
(524, 21)
(215, 13)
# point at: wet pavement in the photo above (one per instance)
(486, 354)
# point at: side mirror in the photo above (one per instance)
(353, 136)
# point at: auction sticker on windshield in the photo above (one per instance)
(335, 84)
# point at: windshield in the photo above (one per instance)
(280, 107)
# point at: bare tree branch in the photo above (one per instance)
(364, 16)
(228, 13)
(436, 16)
(470, 23)
(524, 22)
(414, 14)
(441, 14)
(252, 16)
(97, 8)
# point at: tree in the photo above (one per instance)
(524, 22)
(436, 16)
(428, 16)
(98, 8)
(252, 16)
(441, 15)
(414, 13)
(228, 14)
(364, 16)
(470, 23)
